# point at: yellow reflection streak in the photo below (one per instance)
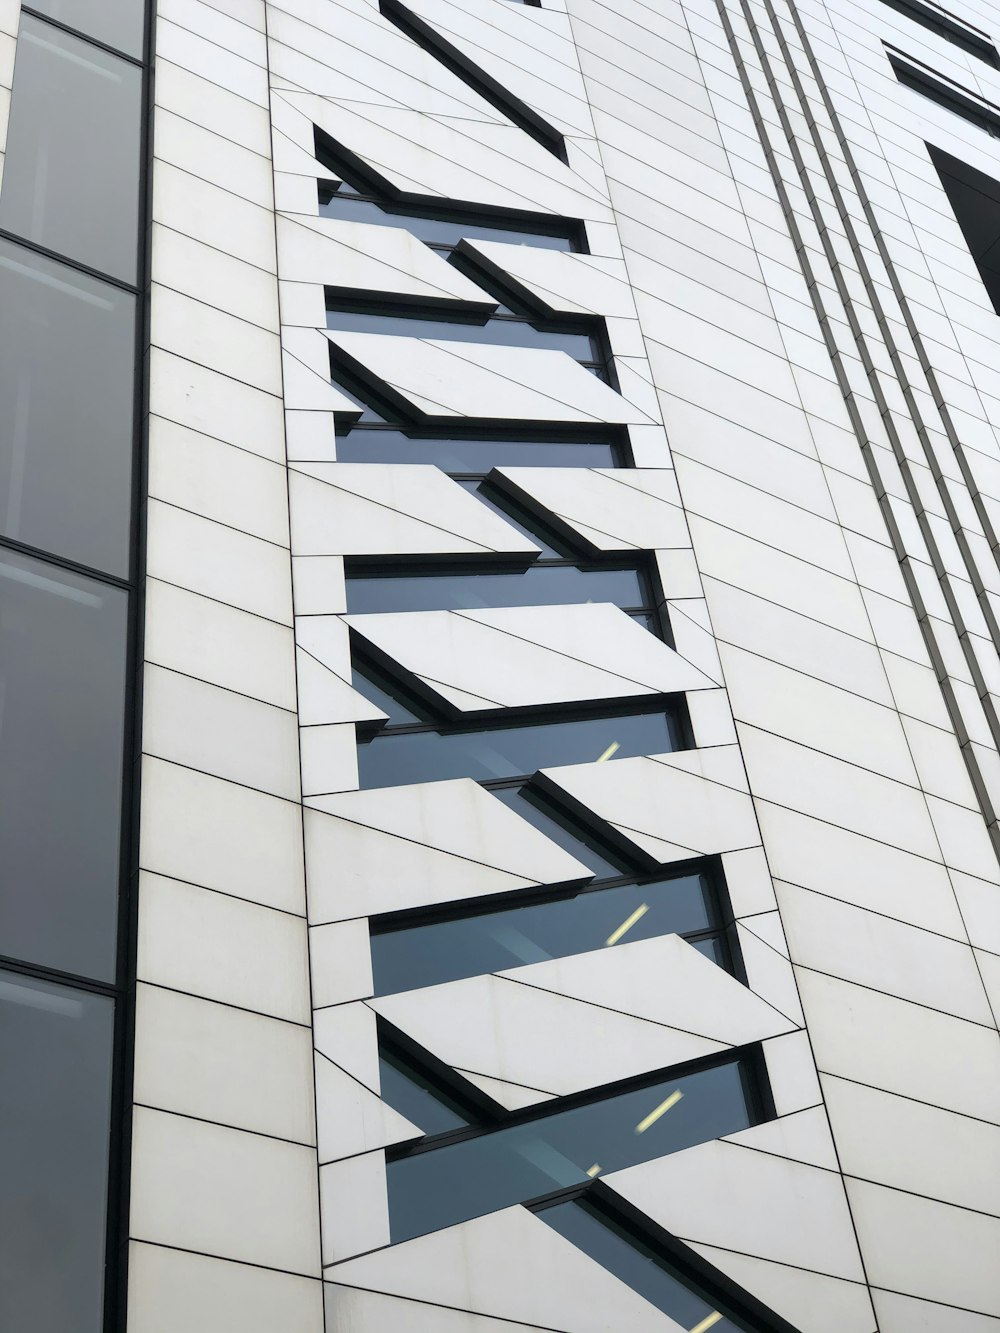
(709, 1322)
(608, 752)
(627, 924)
(652, 1118)
(592, 1171)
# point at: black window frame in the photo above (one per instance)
(916, 76)
(952, 29)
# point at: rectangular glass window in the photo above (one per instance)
(117, 23)
(440, 232)
(539, 585)
(62, 692)
(483, 941)
(67, 349)
(55, 1095)
(476, 457)
(394, 758)
(441, 1186)
(71, 176)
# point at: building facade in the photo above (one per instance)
(391, 939)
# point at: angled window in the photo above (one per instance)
(912, 74)
(975, 200)
(521, 1157)
(470, 456)
(427, 948)
(947, 26)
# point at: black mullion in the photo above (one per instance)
(82, 36)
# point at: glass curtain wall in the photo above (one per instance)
(71, 208)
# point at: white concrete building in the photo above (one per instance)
(499, 680)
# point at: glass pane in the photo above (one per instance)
(479, 456)
(391, 760)
(413, 1096)
(66, 387)
(71, 178)
(492, 941)
(443, 1186)
(117, 23)
(564, 832)
(507, 332)
(386, 695)
(62, 685)
(550, 544)
(548, 585)
(442, 232)
(55, 1053)
(637, 1265)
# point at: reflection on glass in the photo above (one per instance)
(443, 233)
(66, 388)
(442, 1186)
(638, 1265)
(62, 684)
(506, 332)
(552, 585)
(55, 1093)
(117, 23)
(475, 456)
(426, 955)
(564, 832)
(395, 758)
(414, 1096)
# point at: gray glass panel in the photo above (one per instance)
(442, 1186)
(55, 1092)
(71, 178)
(480, 456)
(493, 941)
(117, 23)
(438, 232)
(415, 1097)
(564, 832)
(552, 585)
(62, 685)
(393, 759)
(506, 332)
(637, 1265)
(66, 388)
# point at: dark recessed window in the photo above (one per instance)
(975, 199)
(55, 1096)
(945, 25)
(71, 176)
(117, 23)
(484, 941)
(67, 346)
(472, 457)
(529, 1155)
(422, 1099)
(62, 700)
(911, 74)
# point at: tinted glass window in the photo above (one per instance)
(66, 387)
(393, 759)
(563, 831)
(637, 1265)
(55, 1054)
(546, 585)
(414, 1096)
(117, 23)
(440, 1187)
(435, 231)
(476, 456)
(62, 678)
(492, 941)
(509, 332)
(71, 178)
(975, 200)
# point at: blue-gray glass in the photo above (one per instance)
(549, 544)
(117, 23)
(436, 231)
(443, 1186)
(394, 759)
(55, 1094)
(637, 1265)
(564, 832)
(472, 946)
(545, 585)
(67, 346)
(71, 176)
(507, 332)
(62, 704)
(478, 456)
(383, 695)
(414, 1097)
